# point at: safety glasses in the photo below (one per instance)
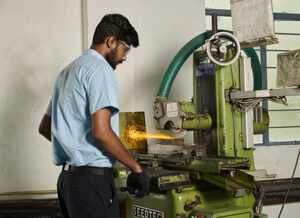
(126, 45)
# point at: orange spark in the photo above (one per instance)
(136, 133)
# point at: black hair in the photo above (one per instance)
(116, 25)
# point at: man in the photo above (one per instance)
(82, 123)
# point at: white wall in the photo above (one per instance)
(39, 38)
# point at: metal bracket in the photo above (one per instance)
(232, 95)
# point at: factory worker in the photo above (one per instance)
(82, 123)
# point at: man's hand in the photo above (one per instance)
(138, 184)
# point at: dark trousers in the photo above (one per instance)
(86, 195)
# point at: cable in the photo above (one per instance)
(234, 134)
(232, 77)
(232, 111)
(244, 105)
(287, 192)
(260, 202)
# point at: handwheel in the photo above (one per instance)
(219, 45)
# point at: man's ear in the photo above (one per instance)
(111, 42)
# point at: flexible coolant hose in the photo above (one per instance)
(187, 50)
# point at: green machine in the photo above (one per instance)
(210, 178)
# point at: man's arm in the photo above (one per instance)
(103, 132)
(45, 127)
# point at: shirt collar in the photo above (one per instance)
(97, 55)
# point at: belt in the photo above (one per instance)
(88, 169)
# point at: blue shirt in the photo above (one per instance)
(81, 89)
